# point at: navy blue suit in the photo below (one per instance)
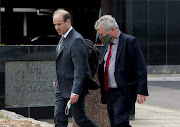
(131, 78)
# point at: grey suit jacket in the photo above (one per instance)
(72, 65)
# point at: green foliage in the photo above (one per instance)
(2, 117)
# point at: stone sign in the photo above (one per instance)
(29, 83)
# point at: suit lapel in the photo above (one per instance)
(63, 45)
(120, 47)
(57, 48)
(65, 42)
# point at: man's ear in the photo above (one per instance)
(113, 29)
(68, 21)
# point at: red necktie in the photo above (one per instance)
(106, 69)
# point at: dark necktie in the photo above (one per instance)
(106, 69)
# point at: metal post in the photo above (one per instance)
(25, 25)
(29, 112)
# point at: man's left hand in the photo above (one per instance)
(73, 98)
(141, 98)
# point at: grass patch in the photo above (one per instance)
(2, 117)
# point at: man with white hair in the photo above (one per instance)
(122, 71)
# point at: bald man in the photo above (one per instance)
(71, 68)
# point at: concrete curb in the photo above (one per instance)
(14, 116)
(163, 77)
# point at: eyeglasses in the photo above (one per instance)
(102, 35)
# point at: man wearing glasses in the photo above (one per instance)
(122, 71)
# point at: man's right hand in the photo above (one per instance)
(54, 84)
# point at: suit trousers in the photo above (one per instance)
(77, 110)
(118, 108)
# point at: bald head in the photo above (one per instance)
(63, 13)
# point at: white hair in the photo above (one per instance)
(106, 22)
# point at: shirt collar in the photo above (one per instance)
(66, 34)
(116, 40)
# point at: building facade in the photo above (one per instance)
(155, 23)
(25, 22)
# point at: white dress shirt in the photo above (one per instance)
(66, 34)
(111, 82)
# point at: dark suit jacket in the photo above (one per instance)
(72, 65)
(130, 68)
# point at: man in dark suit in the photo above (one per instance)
(122, 71)
(71, 69)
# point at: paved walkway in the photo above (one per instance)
(146, 116)
(150, 116)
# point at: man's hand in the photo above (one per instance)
(141, 98)
(73, 98)
(54, 84)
